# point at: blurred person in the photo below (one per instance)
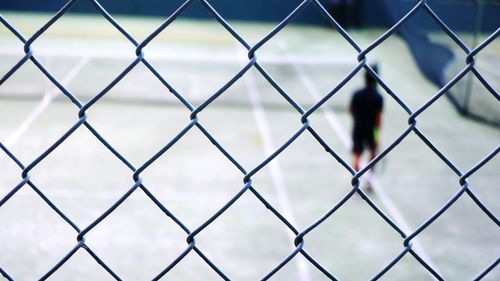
(366, 109)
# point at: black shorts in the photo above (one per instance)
(361, 139)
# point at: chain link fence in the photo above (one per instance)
(301, 235)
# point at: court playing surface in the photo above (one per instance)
(193, 179)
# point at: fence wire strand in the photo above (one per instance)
(194, 123)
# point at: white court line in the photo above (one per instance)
(47, 98)
(178, 56)
(377, 186)
(274, 167)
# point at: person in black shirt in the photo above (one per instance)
(366, 109)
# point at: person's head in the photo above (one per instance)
(369, 80)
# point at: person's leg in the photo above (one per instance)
(373, 148)
(373, 154)
(357, 157)
(357, 150)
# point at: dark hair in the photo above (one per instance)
(369, 80)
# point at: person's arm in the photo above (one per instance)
(378, 122)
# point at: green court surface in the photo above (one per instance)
(194, 180)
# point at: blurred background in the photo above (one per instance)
(424, 36)
(460, 15)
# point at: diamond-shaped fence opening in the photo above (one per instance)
(224, 227)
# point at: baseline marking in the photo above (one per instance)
(179, 56)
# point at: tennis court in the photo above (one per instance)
(194, 180)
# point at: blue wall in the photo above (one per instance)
(366, 12)
(459, 16)
(261, 10)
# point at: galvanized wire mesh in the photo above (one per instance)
(247, 174)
